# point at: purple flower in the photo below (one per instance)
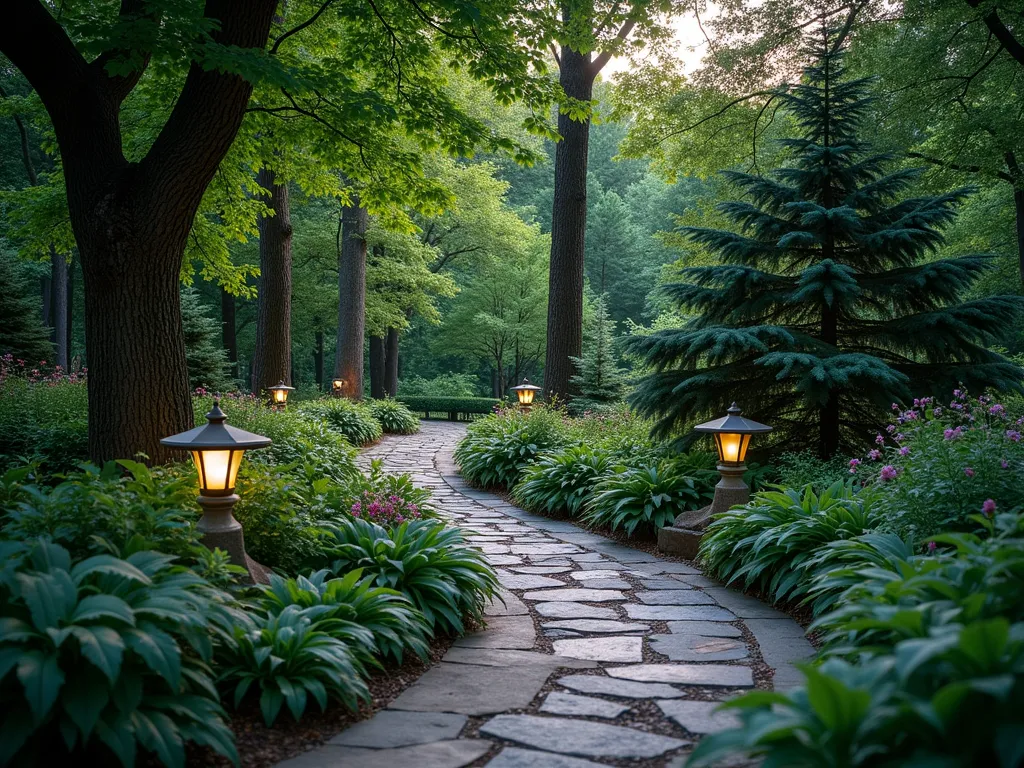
(888, 472)
(937, 411)
(931, 547)
(905, 450)
(899, 438)
(854, 463)
(874, 454)
(997, 410)
(1005, 464)
(1013, 434)
(891, 428)
(958, 393)
(879, 440)
(988, 509)
(968, 471)
(952, 434)
(895, 406)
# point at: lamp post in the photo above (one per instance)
(217, 451)
(279, 396)
(525, 392)
(732, 434)
(336, 387)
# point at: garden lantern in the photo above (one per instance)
(336, 386)
(279, 396)
(217, 451)
(525, 392)
(732, 434)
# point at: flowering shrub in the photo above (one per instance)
(938, 465)
(385, 509)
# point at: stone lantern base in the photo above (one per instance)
(220, 530)
(683, 536)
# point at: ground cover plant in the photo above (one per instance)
(353, 420)
(394, 417)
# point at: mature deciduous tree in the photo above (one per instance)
(272, 358)
(348, 359)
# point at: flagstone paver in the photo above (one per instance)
(510, 696)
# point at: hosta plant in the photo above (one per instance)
(647, 497)
(394, 417)
(432, 565)
(770, 543)
(954, 698)
(562, 480)
(353, 420)
(374, 620)
(106, 659)
(498, 448)
(292, 656)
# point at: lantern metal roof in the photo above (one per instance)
(281, 386)
(526, 386)
(733, 423)
(216, 435)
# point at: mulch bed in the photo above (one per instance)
(260, 746)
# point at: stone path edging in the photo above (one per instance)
(599, 655)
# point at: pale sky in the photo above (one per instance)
(691, 44)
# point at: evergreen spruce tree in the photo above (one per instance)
(825, 308)
(599, 379)
(207, 360)
(21, 332)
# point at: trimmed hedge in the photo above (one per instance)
(453, 406)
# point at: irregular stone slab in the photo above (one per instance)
(675, 597)
(679, 612)
(543, 549)
(507, 605)
(493, 657)
(526, 581)
(695, 580)
(579, 737)
(597, 573)
(391, 728)
(558, 703)
(699, 648)
(722, 675)
(700, 716)
(541, 568)
(706, 628)
(588, 557)
(622, 649)
(624, 689)
(782, 642)
(549, 560)
(663, 566)
(559, 634)
(664, 584)
(514, 757)
(744, 606)
(574, 594)
(597, 625)
(561, 610)
(503, 632)
(470, 689)
(493, 549)
(607, 584)
(440, 754)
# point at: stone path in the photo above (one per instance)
(599, 655)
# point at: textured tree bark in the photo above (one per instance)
(1018, 206)
(377, 367)
(568, 229)
(59, 307)
(272, 357)
(348, 357)
(132, 219)
(229, 329)
(391, 363)
(70, 314)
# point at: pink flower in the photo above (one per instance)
(895, 406)
(931, 547)
(889, 472)
(874, 454)
(988, 509)
(968, 471)
(853, 465)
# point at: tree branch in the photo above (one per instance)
(26, 152)
(121, 85)
(598, 64)
(1002, 33)
(298, 28)
(938, 161)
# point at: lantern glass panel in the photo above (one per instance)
(218, 469)
(525, 396)
(732, 446)
(280, 395)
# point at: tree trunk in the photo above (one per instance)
(272, 358)
(348, 357)
(59, 307)
(70, 313)
(229, 329)
(568, 230)
(1018, 205)
(131, 220)
(318, 359)
(377, 367)
(391, 363)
